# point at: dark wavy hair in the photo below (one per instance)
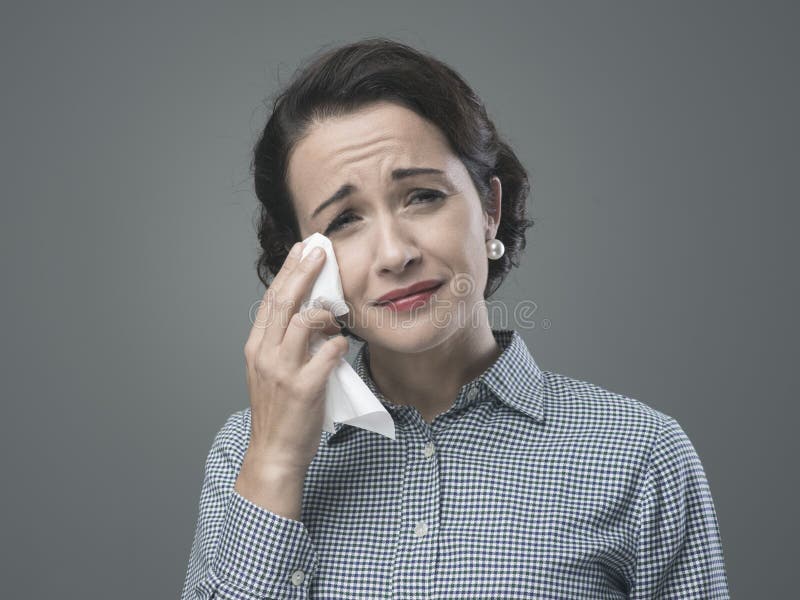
(338, 81)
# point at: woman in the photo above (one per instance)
(504, 480)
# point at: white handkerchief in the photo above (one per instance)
(347, 398)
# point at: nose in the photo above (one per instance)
(395, 248)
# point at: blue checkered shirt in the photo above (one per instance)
(531, 485)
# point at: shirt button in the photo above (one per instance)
(421, 529)
(428, 450)
(472, 393)
(298, 576)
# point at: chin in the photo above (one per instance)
(407, 335)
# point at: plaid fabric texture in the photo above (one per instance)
(532, 485)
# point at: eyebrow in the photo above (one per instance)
(348, 188)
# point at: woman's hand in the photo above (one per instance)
(285, 382)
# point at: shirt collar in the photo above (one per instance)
(514, 379)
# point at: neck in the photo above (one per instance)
(430, 380)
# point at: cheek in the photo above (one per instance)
(453, 227)
(461, 237)
(353, 267)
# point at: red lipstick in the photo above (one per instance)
(408, 297)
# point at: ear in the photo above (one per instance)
(491, 218)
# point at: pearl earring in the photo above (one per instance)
(495, 248)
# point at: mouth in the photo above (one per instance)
(418, 295)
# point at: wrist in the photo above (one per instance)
(269, 469)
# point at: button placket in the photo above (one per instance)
(421, 528)
(420, 514)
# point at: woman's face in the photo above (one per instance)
(392, 230)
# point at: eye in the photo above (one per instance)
(432, 195)
(337, 222)
(342, 219)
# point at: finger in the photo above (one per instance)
(302, 326)
(287, 299)
(325, 359)
(266, 305)
(321, 320)
(288, 266)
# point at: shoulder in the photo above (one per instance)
(574, 406)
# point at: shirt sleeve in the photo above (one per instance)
(240, 550)
(679, 551)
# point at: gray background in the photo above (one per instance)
(662, 140)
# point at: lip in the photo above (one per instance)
(401, 293)
(410, 301)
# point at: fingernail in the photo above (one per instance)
(317, 253)
(295, 250)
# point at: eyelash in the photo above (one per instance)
(338, 221)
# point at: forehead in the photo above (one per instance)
(367, 143)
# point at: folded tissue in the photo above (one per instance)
(347, 398)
